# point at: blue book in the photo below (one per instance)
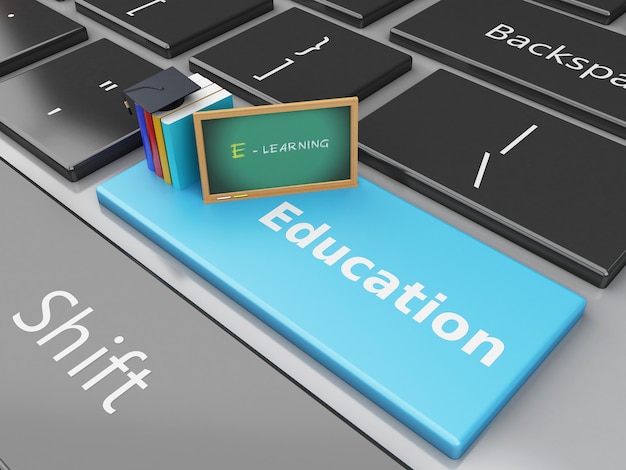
(145, 138)
(433, 326)
(178, 133)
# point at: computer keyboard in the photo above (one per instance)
(172, 28)
(81, 84)
(356, 13)
(602, 11)
(104, 367)
(49, 32)
(569, 179)
(565, 63)
(298, 56)
(568, 414)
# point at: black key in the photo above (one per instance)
(554, 188)
(602, 11)
(69, 112)
(297, 56)
(30, 31)
(358, 13)
(172, 27)
(569, 64)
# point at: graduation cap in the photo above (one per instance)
(161, 92)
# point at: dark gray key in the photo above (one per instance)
(358, 13)
(69, 111)
(602, 11)
(297, 56)
(104, 367)
(172, 27)
(562, 62)
(552, 187)
(30, 31)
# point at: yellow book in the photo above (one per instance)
(158, 132)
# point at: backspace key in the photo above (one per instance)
(562, 62)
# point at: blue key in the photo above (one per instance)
(430, 324)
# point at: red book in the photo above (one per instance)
(153, 144)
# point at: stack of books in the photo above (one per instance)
(168, 134)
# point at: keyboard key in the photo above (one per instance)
(69, 112)
(296, 56)
(30, 31)
(602, 11)
(184, 393)
(562, 62)
(358, 13)
(549, 185)
(433, 326)
(172, 27)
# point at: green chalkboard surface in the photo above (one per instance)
(277, 149)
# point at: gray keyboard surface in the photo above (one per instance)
(567, 416)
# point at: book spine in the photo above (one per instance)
(163, 158)
(153, 144)
(145, 139)
(180, 141)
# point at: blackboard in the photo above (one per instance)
(277, 149)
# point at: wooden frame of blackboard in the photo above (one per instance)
(213, 129)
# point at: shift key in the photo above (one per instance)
(562, 62)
